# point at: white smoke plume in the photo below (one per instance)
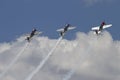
(43, 61)
(102, 62)
(13, 61)
(69, 75)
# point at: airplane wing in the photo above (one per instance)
(37, 33)
(107, 26)
(26, 35)
(60, 30)
(70, 28)
(95, 28)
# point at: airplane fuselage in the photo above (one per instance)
(33, 33)
(100, 29)
(101, 26)
(65, 29)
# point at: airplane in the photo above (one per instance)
(65, 29)
(99, 29)
(33, 33)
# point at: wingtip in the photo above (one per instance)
(111, 25)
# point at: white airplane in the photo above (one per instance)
(99, 29)
(65, 29)
(33, 33)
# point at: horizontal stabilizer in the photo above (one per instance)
(97, 32)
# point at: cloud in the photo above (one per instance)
(91, 57)
(92, 2)
(4, 47)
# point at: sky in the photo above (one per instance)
(18, 17)
(80, 55)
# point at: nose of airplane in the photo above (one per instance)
(67, 24)
(34, 29)
(103, 23)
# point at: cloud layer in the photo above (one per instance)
(91, 57)
(91, 2)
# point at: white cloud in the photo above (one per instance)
(4, 47)
(91, 2)
(92, 57)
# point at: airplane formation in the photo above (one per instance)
(97, 30)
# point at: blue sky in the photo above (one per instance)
(18, 17)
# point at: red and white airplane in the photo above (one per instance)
(65, 29)
(99, 29)
(33, 33)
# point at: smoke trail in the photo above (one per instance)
(71, 72)
(14, 60)
(69, 75)
(43, 61)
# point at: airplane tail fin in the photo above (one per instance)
(28, 39)
(62, 33)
